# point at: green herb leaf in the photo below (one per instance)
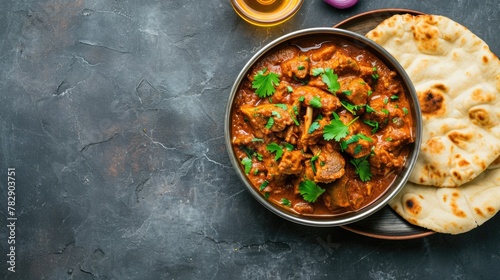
(347, 92)
(289, 146)
(313, 159)
(247, 164)
(330, 79)
(405, 110)
(276, 114)
(264, 84)
(270, 123)
(286, 202)
(373, 124)
(275, 148)
(394, 97)
(310, 191)
(362, 168)
(336, 129)
(282, 106)
(289, 89)
(315, 102)
(263, 185)
(317, 71)
(257, 140)
(315, 125)
(369, 109)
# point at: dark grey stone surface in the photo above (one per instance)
(112, 113)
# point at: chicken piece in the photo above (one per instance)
(328, 101)
(329, 165)
(336, 194)
(355, 91)
(341, 64)
(259, 116)
(345, 192)
(296, 67)
(303, 207)
(324, 53)
(291, 162)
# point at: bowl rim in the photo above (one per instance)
(401, 179)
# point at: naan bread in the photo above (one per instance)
(457, 79)
(450, 210)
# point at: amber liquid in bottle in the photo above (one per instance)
(267, 11)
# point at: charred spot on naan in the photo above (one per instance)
(455, 209)
(434, 146)
(413, 206)
(481, 117)
(432, 102)
(460, 139)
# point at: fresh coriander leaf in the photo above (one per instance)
(394, 97)
(257, 140)
(313, 159)
(263, 185)
(247, 164)
(282, 106)
(264, 84)
(258, 156)
(358, 149)
(362, 168)
(364, 137)
(369, 92)
(317, 71)
(270, 123)
(295, 110)
(336, 129)
(405, 110)
(347, 92)
(385, 111)
(330, 79)
(301, 67)
(276, 114)
(315, 102)
(301, 99)
(286, 202)
(386, 100)
(388, 139)
(370, 109)
(310, 191)
(275, 148)
(373, 124)
(349, 107)
(315, 125)
(289, 146)
(267, 195)
(289, 89)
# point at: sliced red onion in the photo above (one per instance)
(342, 4)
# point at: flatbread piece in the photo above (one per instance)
(457, 79)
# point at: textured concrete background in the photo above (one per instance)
(112, 114)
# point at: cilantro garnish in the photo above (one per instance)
(275, 148)
(247, 163)
(330, 79)
(350, 107)
(263, 185)
(369, 109)
(289, 89)
(313, 159)
(336, 129)
(362, 168)
(315, 125)
(270, 123)
(264, 84)
(257, 140)
(375, 75)
(315, 102)
(317, 71)
(405, 110)
(373, 124)
(282, 106)
(276, 114)
(310, 191)
(347, 92)
(286, 202)
(394, 97)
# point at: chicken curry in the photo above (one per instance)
(321, 127)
